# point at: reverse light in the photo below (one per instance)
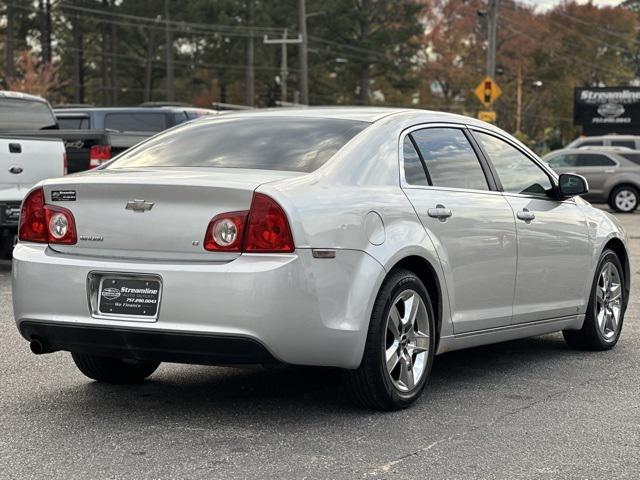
(226, 232)
(42, 223)
(99, 154)
(262, 229)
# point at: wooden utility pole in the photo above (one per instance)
(492, 34)
(78, 59)
(249, 79)
(9, 60)
(169, 48)
(284, 69)
(303, 56)
(519, 82)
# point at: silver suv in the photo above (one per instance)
(613, 173)
(628, 141)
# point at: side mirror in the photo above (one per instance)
(571, 185)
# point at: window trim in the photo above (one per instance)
(491, 184)
(553, 176)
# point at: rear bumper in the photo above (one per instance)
(299, 309)
(179, 347)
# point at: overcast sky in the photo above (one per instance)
(544, 4)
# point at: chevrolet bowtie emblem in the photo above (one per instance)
(139, 205)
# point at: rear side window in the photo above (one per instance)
(414, 172)
(271, 143)
(19, 114)
(136, 122)
(593, 160)
(624, 143)
(73, 123)
(632, 157)
(450, 159)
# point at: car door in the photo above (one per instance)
(596, 168)
(552, 235)
(470, 223)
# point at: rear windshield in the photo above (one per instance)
(20, 114)
(276, 143)
(135, 122)
(73, 123)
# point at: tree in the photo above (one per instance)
(35, 78)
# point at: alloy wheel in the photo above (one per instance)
(626, 200)
(407, 340)
(609, 301)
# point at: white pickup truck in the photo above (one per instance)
(24, 161)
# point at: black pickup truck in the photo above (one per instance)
(30, 116)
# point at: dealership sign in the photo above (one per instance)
(607, 106)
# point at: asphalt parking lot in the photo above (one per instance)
(524, 409)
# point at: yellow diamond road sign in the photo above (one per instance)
(488, 91)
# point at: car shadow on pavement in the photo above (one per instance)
(308, 393)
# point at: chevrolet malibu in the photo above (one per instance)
(360, 238)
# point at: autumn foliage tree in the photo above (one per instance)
(34, 77)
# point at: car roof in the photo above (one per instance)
(22, 96)
(363, 114)
(608, 136)
(587, 150)
(77, 110)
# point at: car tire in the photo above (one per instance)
(605, 311)
(395, 336)
(624, 199)
(113, 370)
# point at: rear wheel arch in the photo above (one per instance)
(424, 270)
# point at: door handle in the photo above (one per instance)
(526, 215)
(440, 212)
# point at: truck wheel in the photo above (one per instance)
(113, 370)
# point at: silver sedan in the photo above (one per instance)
(360, 238)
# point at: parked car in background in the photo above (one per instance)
(149, 119)
(367, 239)
(628, 141)
(613, 173)
(29, 116)
(24, 161)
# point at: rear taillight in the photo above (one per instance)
(226, 232)
(267, 227)
(98, 154)
(42, 223)
(65, 162)
(262, 229)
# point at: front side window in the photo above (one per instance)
(300, 144)
(450, 160)
(590, 143)
(517, 172)
(562, 161)
(594, 160)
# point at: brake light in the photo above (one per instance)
(42, 223)
(267, 227)
(262, 229)
(98, 154)
(65, 161)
